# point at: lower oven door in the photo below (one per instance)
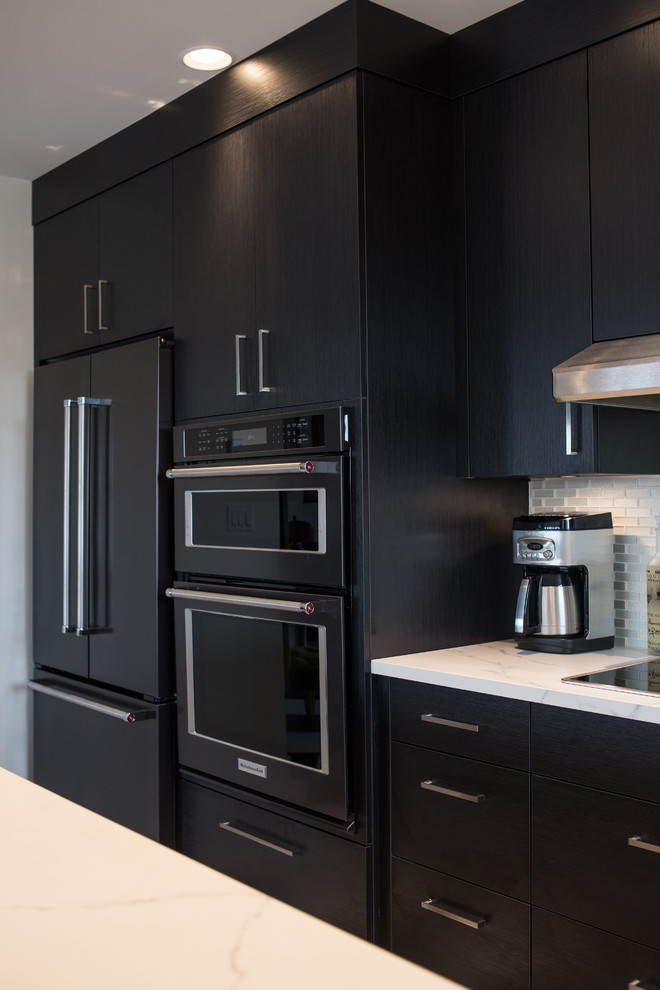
(260, 687)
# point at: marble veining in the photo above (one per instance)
(86, 904)
(500, 668)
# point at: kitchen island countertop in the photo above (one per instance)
(501, 669)
(86, 903)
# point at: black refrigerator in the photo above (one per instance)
(102, 684)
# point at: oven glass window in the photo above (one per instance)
(258, 685)
(282, 519)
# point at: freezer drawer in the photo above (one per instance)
(108, 752)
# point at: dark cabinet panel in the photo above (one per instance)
(572, 956)
(267, 261)
(463, 817)
(624, 103)
(528, 266)
(583, 864)
(310, 869)
(464, 723)
(103, 269)
(118, 768)
(613, 754)
(466, 933)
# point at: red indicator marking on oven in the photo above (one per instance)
(309, 467)
(309, 608)
(130, 717)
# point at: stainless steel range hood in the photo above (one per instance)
(612, 373)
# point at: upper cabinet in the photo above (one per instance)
(266, 260)
(103, 269)
(624, 108)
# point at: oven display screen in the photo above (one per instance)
(248, 438)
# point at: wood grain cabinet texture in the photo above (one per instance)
(103, 268)
(460, 834)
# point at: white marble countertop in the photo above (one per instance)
(86, 904)
(502, 669)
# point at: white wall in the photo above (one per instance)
(634, 504)
(16, 360)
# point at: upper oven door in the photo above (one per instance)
(266, 520)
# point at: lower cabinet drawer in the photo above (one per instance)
(576, 957)
(473, 936)
(321, 874)
(585, 865)
(462, 817)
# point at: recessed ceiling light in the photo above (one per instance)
(205, 59)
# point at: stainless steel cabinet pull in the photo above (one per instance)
(465, 918)
(428, 785)
(246, 833)
(66, 531)
(238, 470)
(572, 429)
(215, 596)
(262, 386)
(134, 715)
(101, 283)
(237, 343)
(469, 727)
(637, 843)
(86, 289)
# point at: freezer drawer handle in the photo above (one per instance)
(436, 720)
(246, 833)
(215, 596)
(470, 920)
(636, 842)
(135, 715)
(428, 785)
(247, 470)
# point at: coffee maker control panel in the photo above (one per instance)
(535, 548)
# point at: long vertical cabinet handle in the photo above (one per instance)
(101, 283)
(66, 528)
(239, 378)
(84, 441)
(572, 429)
(262, 385)
(86, 290)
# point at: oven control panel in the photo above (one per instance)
(317, 431)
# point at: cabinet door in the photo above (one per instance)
(624, 104)
(528, 266)
(135, 256)
(55, 570)
(307, 248)
(65, 279)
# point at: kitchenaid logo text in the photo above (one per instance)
(258, 769)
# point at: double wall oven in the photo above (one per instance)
(260, 604)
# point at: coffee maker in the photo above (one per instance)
(566, 597)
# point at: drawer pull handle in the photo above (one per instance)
(639, 985)
(471, 920)
(467, 726)
(637, 843)
(246, 833)
(428, 785)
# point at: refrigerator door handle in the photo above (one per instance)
(126, 715)
(66, 529)
(83, 402)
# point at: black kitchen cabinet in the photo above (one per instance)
(266, 243)
(323, 874)
(528, 275)
(624, 103)
(103, 269)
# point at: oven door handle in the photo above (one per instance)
(268, 467)
(220, 598)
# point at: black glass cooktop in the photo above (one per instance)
(640, 675)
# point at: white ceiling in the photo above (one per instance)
(73, 72)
